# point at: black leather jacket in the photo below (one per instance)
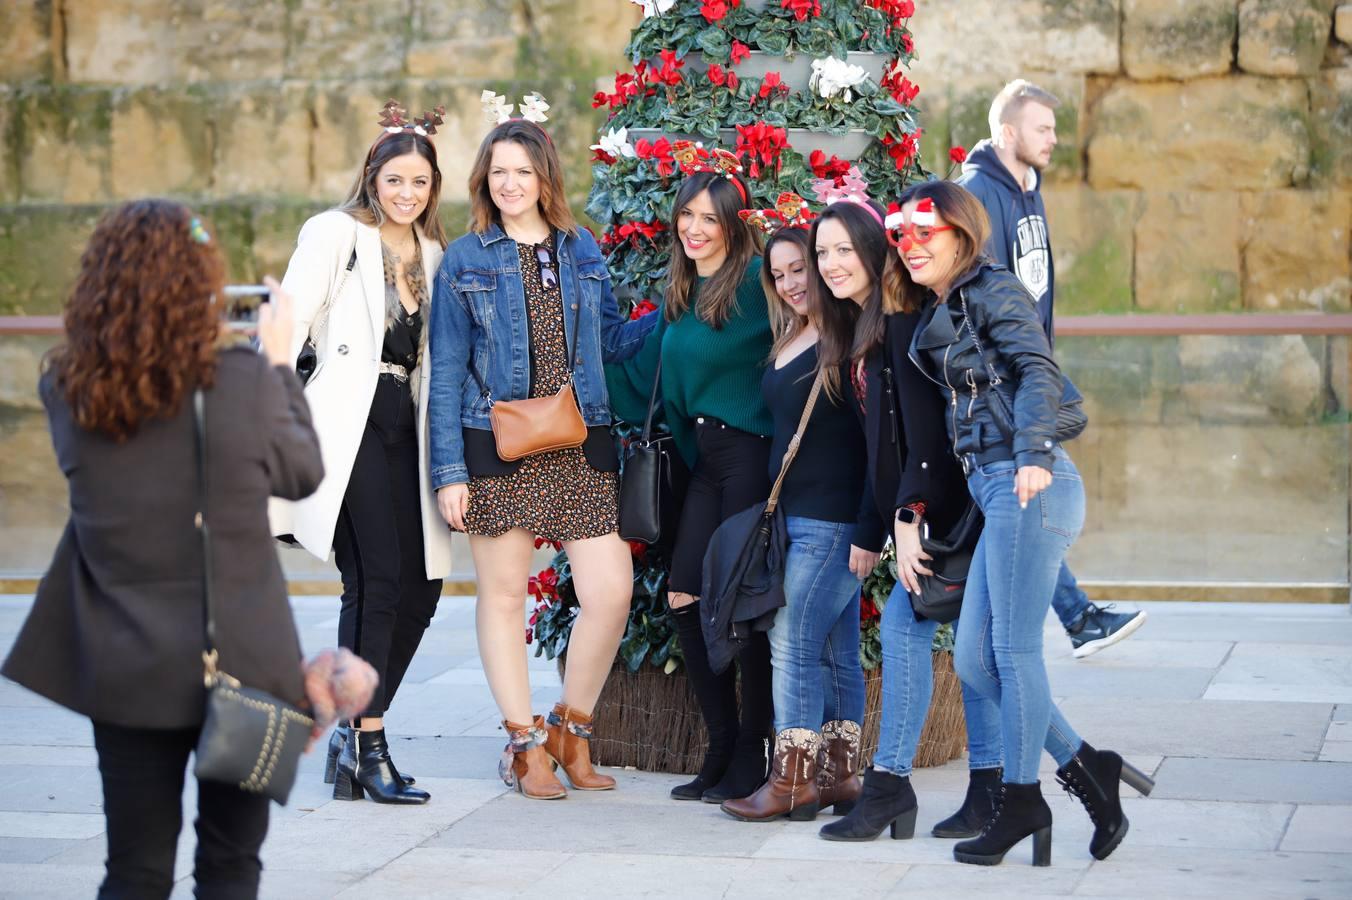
(1005, 405)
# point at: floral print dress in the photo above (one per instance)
(558, 496)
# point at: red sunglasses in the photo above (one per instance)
(908, 235)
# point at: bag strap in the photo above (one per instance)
(652, 401)
(577, 338)
(976, 340)
(209, 655)
(318, 325)
(795, 442)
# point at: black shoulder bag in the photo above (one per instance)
(249, 738)
(940, 597)
(653, 481)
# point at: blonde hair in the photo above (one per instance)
(1011, 100)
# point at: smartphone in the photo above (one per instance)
(241, 305)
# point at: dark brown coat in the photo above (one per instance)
(116, 629)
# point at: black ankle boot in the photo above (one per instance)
(717, 703)
(887, 800)
(1019, 812)
(977, 806)
(364, 767)
(748, 770)
(337, 739)
(1092, 777)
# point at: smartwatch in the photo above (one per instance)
(908, 516)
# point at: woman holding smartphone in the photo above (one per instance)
(524, 307)
(359, 278)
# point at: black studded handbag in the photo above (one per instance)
(249, 738)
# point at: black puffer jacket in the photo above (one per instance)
(1005, 405)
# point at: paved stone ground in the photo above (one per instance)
(1243, 712)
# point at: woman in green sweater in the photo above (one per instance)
(714, 341)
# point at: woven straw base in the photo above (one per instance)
(651, 721)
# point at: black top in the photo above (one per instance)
(827, 478)
(401, 339)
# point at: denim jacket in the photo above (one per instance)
(479, 315)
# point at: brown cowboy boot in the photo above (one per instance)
(569, 745)
(792, 788)
(525, 765)
(838, 782)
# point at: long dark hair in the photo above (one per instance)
(142, 322)
(361, 203)
(961, 209)
(548, 169)
(848, 330)
(718, 296)
(785, 324)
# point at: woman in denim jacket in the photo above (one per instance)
(981, 342)
(513, 299)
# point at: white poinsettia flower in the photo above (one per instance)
(533, 108)
(833, 77)
(496, 108)
(616, 143)
(654, 7)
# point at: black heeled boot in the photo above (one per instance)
(750, 766)
(977, 806)
(748, 770)
(1020, 811)
(1092, 777)
(887, 801)
(364, 767)
(717, 698)
(336, 741)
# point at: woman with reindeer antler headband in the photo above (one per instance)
(359, 277)
(834, 538)
(523, 323)
(713, 345)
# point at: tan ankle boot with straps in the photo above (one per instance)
(569, 745)
(526, 766)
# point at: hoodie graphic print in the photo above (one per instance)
(1019, 239)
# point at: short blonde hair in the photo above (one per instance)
(1011, 100)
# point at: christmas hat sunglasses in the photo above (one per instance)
(920, 230)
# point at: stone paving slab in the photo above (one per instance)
(1255, 780)
(1165, 872)
(1322, 829)
(1116, 683)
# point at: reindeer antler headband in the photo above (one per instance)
(692, 158)
(395, 120)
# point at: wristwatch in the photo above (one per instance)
(908, 516)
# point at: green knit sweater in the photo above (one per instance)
(705, 372)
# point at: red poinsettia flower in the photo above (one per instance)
(714, 10)
(733, 81)
(897, 11)
(740, 52)
(641, 309)
(868, 610)
(638, 549)
(908, 43)
(669, 71)
(957, 155)
(902, 89)
(770, 85)
(659, 151)
(801, 9)
(599, 99)
(834, 168)
(760, 144)
(601, 156)
(717, 75)
(903, 151)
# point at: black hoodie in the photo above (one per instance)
(1019, 238)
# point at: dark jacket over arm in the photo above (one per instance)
(116, 629)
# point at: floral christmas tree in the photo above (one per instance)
(812, 97)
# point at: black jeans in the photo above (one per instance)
(729, 476)
(143, 772)
(388, 601)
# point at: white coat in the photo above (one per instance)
(340, 391)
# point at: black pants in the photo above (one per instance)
(388, 602)
(143, 772)
(729, 476)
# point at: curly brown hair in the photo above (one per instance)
(142, 323)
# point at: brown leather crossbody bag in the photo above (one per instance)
(523, 428)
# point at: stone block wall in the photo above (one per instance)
(259, 113)
(1205, 162)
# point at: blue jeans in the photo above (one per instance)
(1013, 576)
(1068, 600)
(908, 683)
(814, 644)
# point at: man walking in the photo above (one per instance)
(1005, 175)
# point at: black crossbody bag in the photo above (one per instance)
(249, 738)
